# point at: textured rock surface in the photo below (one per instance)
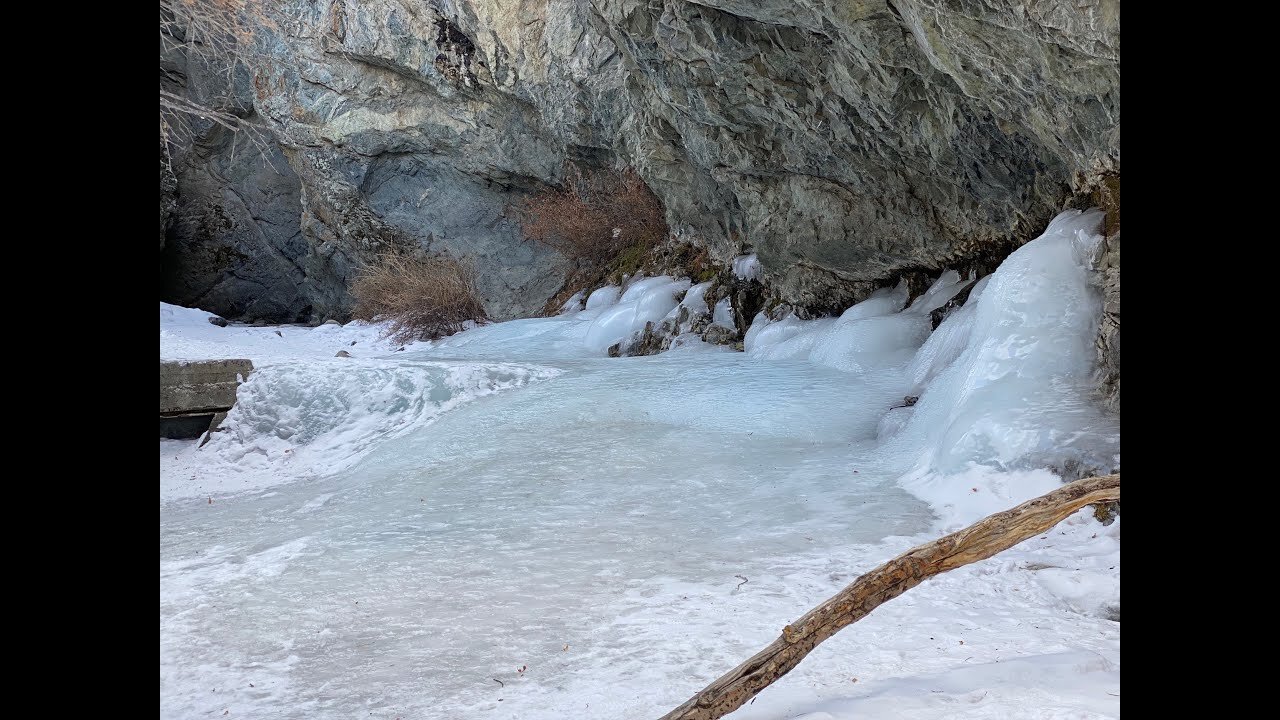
(230, 213)
(843, 142)
(1108, 276)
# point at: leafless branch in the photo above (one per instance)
(218, 36)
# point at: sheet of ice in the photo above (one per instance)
(947, 342)
(1004, 381)
(692, 342)
(853, 344)
(610, 538)
(747, 267)
(765, 334)
(884, 301)
(722, 314)
(510, 528)
(874, 333)
(408, 591)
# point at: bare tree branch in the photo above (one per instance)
(218, 36)
(183, 105)
(977, 542)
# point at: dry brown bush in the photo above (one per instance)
(422, 299)
(597, 219)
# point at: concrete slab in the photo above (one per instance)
(200, 386)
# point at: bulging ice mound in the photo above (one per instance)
(315, 419)
(1004, 381)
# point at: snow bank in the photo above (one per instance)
(186, 334)
(178, 316)
(305, 421)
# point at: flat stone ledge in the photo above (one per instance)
(196, 395)
(200, 386)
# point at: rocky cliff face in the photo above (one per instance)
(1109, 331)
(231, 238)
(1106, 265)
(844, 142)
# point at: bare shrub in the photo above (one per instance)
(599, 220)
(421, 299)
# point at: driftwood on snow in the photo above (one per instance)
(977, 542)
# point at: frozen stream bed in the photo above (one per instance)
(508, 524)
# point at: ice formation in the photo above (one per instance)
(574, 303)
(747, 267)
(421, 522)
(722, 313)
(1003, 381)
(646, 300)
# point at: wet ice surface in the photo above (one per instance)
(448, 558)
(386, 535)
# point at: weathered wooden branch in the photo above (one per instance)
(977, 542)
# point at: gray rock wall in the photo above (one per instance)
(1109, 331)
(844, 142)
(231, 239)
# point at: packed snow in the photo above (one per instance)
(508, 523)
(305, 413)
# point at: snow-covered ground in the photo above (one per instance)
(507, 523)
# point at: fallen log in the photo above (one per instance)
(977, 542)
